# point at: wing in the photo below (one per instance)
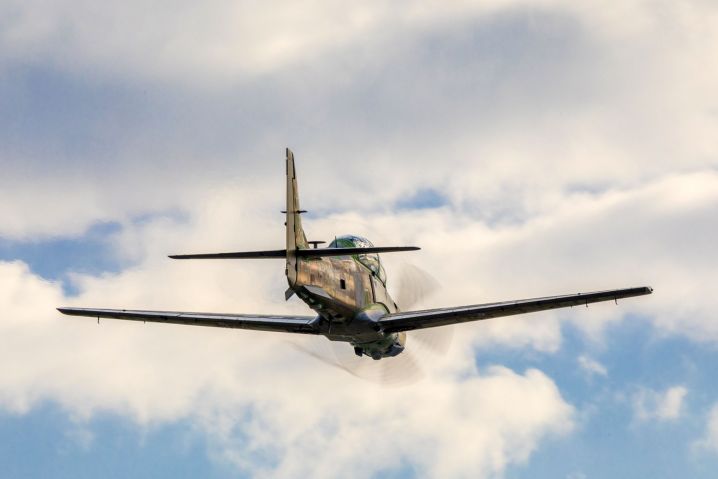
(405, 321)
(276, 253)
(287, 324)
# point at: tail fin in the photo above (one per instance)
(296, 239)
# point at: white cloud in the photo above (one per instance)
(222, 38)
(572, 105)
(663, 406)
(166, 373)
(250, 393)
(710, 438)
(618, 239)
(381, 434)
(215, 41)
(580, 155)
(591, 366)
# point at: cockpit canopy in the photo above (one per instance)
(371, 261)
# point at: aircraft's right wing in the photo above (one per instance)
(405, 321)
(287, 324)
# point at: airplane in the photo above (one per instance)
(345, 284)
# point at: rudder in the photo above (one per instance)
(296, 239)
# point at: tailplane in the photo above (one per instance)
(297, 244)
(300, 253)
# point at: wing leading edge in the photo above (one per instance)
(405, 321)
(288, 324)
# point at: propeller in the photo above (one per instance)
(414, 286)
(396, 371)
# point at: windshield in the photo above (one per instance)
(350, 241)
(371, 261)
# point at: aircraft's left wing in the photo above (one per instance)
(287, 324)
(405, 321)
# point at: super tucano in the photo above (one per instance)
(345, 284)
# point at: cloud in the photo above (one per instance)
(223, 39)
(620, 238)
(219, 40)
(169, 373)
(570, 147)
(710, 439)
(411, 433)
(663, 406)
(579, 100)
(251, 395)
(592, 366)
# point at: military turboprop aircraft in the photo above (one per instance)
(345, 284)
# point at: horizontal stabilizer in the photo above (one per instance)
(302, 253)
(318, 252)
(277, 253)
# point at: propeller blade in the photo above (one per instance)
(415, 285)
(437, 340)
(401, 370)
(320, 357)
(397, 371)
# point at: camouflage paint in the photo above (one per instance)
(347, 292)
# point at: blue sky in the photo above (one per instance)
(529, 148)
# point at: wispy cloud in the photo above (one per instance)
(663, 406)
(591, 366)
(709, 441)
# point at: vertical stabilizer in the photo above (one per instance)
(295, 234)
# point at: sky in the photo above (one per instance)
(530, 148)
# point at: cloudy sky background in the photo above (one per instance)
(529, 148)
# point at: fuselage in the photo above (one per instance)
(349, 294)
